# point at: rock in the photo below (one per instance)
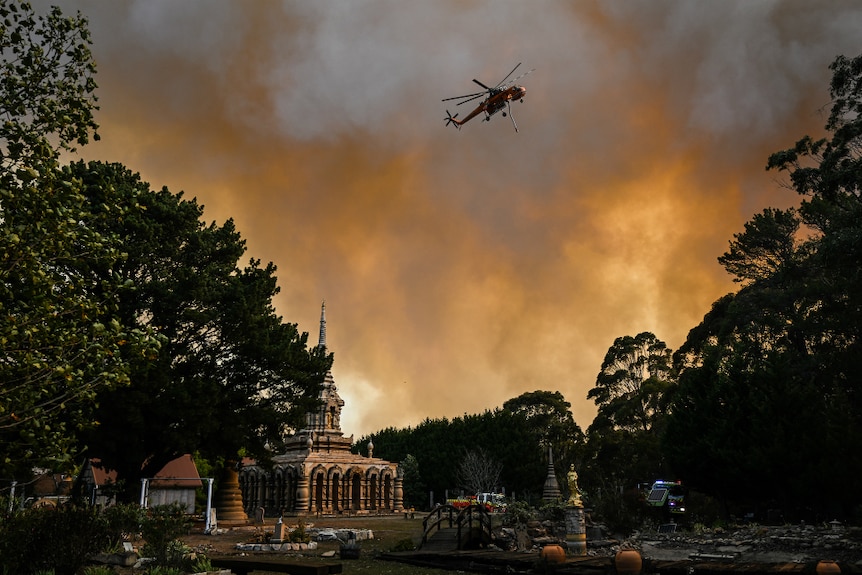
(125, 559)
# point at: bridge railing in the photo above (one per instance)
(447, 516)
(473, 517)
(444, 514)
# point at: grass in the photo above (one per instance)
(390, 532)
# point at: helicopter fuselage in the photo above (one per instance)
(494, 103)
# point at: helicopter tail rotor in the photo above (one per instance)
(450, 119)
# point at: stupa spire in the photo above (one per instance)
(322, 340)
(551, 491)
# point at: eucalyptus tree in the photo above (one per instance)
(623, 446)
(632, 384)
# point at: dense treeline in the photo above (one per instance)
(513, 437)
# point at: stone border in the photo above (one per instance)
(311, 546)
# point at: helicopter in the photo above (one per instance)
(499, 97)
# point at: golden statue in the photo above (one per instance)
(574, 491)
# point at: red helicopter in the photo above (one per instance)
(499, 97)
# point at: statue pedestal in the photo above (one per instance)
(576, 531)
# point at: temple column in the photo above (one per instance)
(302, 493)
(398, 503)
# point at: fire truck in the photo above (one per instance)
(493, 502)
(667, 494)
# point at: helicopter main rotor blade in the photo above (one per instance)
(483, 85)
(471, 96)
(521, 76)
(507, 76)
(471, 99)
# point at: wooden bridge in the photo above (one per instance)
(447, 528)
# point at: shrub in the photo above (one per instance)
(518, 513)
(48, 538)
(299, 535)
(160, 527)
(621, 513)
(553, 511)
(201, 564)
(123, 523)
(405, 544)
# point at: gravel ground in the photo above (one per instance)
(755, 543)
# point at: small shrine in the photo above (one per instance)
(317, 473)
(551, 489)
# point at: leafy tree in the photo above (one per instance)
(47, 86)
(767, 386)
(623, 446)
(767, 246)
(230, 374)
(59, 328)
(414, 488)
(549, 417)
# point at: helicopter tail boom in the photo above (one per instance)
(450, 119)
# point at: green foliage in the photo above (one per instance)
(299, 534)
(549, 416)
(47, 538)
(123, 522)
(622, 512)
(768, 409)
(553, 510)
(160, 529)
(405, 544)
(518, 513)
(767, 247)
(703, 509)
(47, 90)
(413, 488)
(201, 564)
(61, 337)
(99, 570)
(512, 438)
(624, 441)
(222, 338)
(631, 386)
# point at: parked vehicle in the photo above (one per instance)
(493, 502)
(667, 494)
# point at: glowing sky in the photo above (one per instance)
(461, 269)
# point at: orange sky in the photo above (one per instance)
(461, 269)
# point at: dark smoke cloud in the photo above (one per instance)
(461, 269)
